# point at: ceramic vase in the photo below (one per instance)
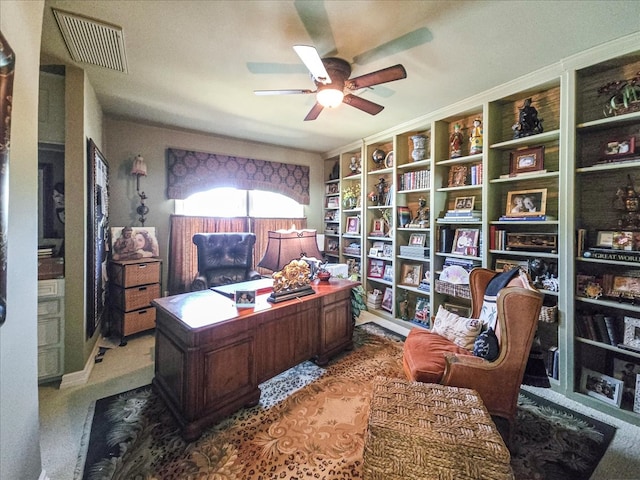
(419, 147)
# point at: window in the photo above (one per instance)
(231, 202)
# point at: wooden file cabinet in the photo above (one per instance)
(134, 284)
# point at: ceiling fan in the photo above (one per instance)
(333, 85)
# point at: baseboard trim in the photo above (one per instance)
(75, 379)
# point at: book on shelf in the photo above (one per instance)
(612, 329)
(609, 254)
(601, 326)
(528, 218)
(463, 213)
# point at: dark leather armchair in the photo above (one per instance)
(224, 258)
(497, 382)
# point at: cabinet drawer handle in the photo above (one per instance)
(142, 289)
(142, 265)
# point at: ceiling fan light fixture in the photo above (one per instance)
(330, 97)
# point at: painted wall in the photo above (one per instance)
(21, 24)
(126, 139)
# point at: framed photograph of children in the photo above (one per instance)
(353, 225)
(411, 274)
(465, 241)
(417, 239)
(602, 387)
(387, 300)
(526, 203)
(376, 268)
(245, 298)
(388, 272)
(464, 204)
(526, 160)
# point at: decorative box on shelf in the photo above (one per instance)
(414, 251)
(352, 250)
(374, 299)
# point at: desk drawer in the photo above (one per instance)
(133, 298)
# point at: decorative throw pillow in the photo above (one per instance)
(486, 345)
(489, 311)
(460, 330)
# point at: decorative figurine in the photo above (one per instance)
(354, 165)
(422, 215)
(476, 137)
(528, 121)
(455, 140)
(381, 186)
(631, 218)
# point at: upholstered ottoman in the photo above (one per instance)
(428, 431)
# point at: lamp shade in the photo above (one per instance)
(286, 245)
(139, 166)
(329, 97)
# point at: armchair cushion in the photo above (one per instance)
(462, 331)
(426, 360)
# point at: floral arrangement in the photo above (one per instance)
(352, 191)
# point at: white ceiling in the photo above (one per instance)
(189, 61)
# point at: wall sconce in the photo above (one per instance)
(139, 169)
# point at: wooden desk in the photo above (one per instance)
(211, 356)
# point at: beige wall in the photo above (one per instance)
(21, 24)
(125, 139)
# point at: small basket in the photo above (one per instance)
(548, 314)
(453, 289)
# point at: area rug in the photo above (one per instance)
(310, 423)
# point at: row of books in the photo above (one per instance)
(497, 238)
(475, 174)
(414, 180)
(45, 251)
(599, 327)
(527, 218)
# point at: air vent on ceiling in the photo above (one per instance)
(92, 41)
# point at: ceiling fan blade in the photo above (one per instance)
(281, 92)
(314, 112)
(405, 42)
(316, 22)
(362, 104)
(385, 75)
(309, 56)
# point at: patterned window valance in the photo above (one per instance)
(191, 172)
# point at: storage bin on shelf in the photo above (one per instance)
(453, 289)
(548, 314)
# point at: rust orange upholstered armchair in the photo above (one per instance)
(497, 382)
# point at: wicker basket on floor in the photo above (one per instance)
(428, 431)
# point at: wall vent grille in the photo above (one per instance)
(91, 41)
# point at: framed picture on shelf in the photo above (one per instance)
(465, 241)
(619, 148)
(376, 268)
(636, 398)
(333, 202)
(602, 387)
(624, 287)
(622, 240)
(526, 160)
(330, 245)
(387, 300)
(332, 188)
(526, 203)
(353, 225)
(457, 176)
(464, 204)
(505, 264)
(422, 311)
(411, 274)
(627, 372)
(388, 273)
(387, 250)
(604, 239)
(404, 217)
(417, 239)
(377, 228)
(631, 337)
(388, 160)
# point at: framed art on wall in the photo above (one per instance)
(97, 236)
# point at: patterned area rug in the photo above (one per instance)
(310, 423)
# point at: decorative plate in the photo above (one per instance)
(388, 160)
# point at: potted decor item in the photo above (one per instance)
(419, 147)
